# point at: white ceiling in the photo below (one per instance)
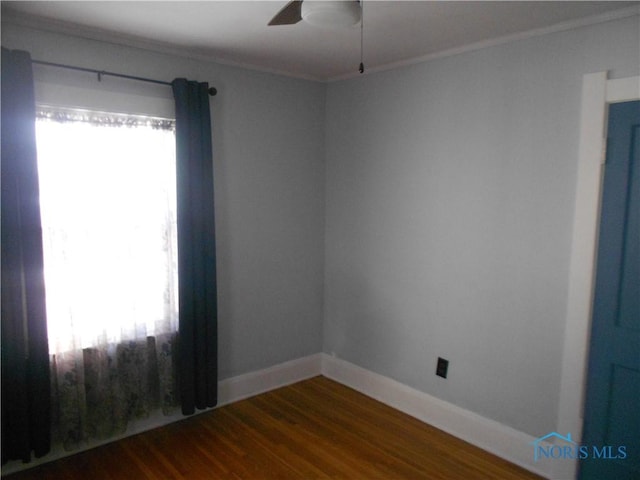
(236, 32)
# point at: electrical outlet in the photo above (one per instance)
(443, 366)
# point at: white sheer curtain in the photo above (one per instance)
(108, 203)
(108, 215)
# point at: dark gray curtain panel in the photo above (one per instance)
(25, 356)
(198, 335)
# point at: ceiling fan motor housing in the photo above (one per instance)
(331, 13)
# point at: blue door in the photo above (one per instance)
(612, 410)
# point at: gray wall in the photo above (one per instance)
(399, 216)
(269, 184)
(449, 201)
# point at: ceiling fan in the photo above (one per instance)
(324, 13)
(341, 13)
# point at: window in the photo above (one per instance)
(107, 195)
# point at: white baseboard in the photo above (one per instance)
(501, 440)
(254, 383)
(229, 390)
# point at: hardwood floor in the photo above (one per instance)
(316, 429)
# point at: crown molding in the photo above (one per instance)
(126, 40)
(72, 29)
(538, 32)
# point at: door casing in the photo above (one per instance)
(598, 93)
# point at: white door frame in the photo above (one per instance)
(597, 93)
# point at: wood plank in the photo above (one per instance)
(315, 429)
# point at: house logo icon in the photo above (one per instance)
(542, 447)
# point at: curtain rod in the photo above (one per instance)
(100, 73)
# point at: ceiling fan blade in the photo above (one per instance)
(290, 14)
